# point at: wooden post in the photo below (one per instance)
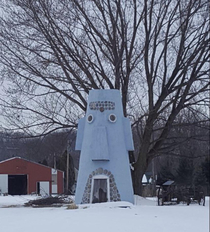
(54, 161)
(67, 166)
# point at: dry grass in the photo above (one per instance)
(10, 206)
(72, 206)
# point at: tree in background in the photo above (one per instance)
(206, 170)
(186, 160)
(203, 175)
(39, 149)
(164, 175)
(44, 162)
(184, 173)
(155, 52)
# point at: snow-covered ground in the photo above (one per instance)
(144, 216)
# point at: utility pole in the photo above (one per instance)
(153, 173)
(54, 161)
(154, 176)
(67, 166)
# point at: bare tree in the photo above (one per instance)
(176, 70)
(155, 52)
(55, 52)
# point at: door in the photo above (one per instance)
(100, 189)
(17, 184)
(54, 182)
(44, 188)
(3, 183)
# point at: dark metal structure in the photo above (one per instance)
(172, 193)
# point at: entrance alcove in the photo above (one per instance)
(100, 191)
(104, 180)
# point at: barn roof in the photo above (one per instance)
(16, 157)
(169, 182)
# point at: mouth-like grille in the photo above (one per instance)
(106, 105)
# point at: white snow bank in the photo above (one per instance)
(105, 217)
(8, 201)
(150, 201)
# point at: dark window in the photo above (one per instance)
(90, 118)
(112, 118)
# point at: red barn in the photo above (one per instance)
(19, 176)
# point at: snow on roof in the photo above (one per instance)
(169, 182)
(10, 159)
(144, 179)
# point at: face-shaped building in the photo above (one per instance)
(104, 138)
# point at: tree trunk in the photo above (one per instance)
(139, 170)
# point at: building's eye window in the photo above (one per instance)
(90, 118)
(112, 118)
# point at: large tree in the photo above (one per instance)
(154, 52)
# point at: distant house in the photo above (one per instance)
(144, 180)
(19, 176)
